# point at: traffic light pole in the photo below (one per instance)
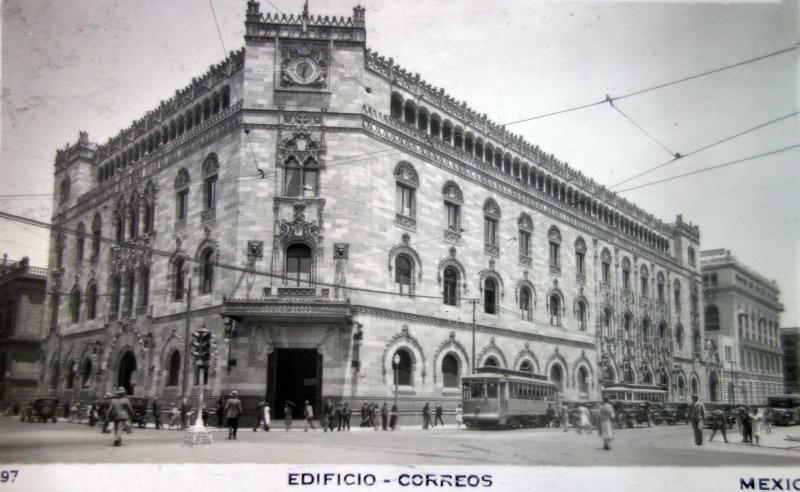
(201, 354)
(187, 335)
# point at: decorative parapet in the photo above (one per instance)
(436, 96)
(301, 305)
(260, 25)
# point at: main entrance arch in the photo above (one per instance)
(127, 367)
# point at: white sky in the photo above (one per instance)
(97, 65)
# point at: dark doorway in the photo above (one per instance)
(294, 375)
(127, 366)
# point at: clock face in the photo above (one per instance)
(304, 70)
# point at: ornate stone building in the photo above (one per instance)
(322, 210)
(22, 301)
(790, 344)
(741, 324)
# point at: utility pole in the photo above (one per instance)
(474, 301)
(187, 336)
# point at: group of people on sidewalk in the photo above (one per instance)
(749, 420)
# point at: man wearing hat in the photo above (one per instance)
(233, 410)
(698, 413)
(120, 411)
(103, 411)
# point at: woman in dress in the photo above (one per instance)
(266, 416)
(606, 414)
(459, 415)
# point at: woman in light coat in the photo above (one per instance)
(606, 414)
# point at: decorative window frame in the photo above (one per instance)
(554, 237)
(491, 211)
(452, 195)
(405, 175)
(525, 224)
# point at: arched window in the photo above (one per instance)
(712, 318)
(450, 286)
(86, 372)
(226, 97)
(116, 297)
(644, 292)
(80, 241)
(174, 369)
(144, 287)
(607, 325)
(91, 302)
(206, 109)
(182, 195)
(63, 191)
(75, 305)
(555, 310)
(490, 362)
(207, 271)
(147, 216)
(406, 182)
(554, 238)
(490, 296)
(697, 345)
(557, 377)
(131, 288)
(396, 106)
(583, 383)
(626, 274)
(662, 334)
(404, 369)
(677, 289)
(627, 325)
(210, 174)
(582, 315)
(525, 302)
(71, 370)
(298, 264)
(660, 287)
(646, 331)
(402, 274)
(119, 227)
(450, 375)
(526, 366)
(580, 259)
(605, 267)
(179, 275)
(491, 219)
(133, 222)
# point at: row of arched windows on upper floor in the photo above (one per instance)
(432, 124)
(121, 294)
(202, 111)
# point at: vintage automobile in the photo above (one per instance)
(784, 409)
(632, 412)
(673, 413)
(729, 409)
(140, 405)
(40, 410)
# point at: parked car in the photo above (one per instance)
(673, 413)
(632, 412)
(140, 405)
(40, 410)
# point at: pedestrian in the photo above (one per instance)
(460, 415)
(308, 413)
(233, 411)
(438, 412)
(66, 410)
(327, 414)
(370, 420)
(606, 428)
(339, 416)
(204, 414)
(426, 415)
(73, 412)
(157, 413)
(747, 425)
(346, 414)
(565, 417)
(259, 415)
(15, 407)
(364, 413)
(174, 415)
(755, 425)
(766, 424)
(583, 420)
(550, 415)
(697, 414)
(185, 409)
(220, 406)
(393, 417)
(376, 416)
(288, 408)
(120, 412)
(267, 417)
(385, 416)
(718, 422)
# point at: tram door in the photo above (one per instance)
(294, 375)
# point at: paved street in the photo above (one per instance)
(65, 442)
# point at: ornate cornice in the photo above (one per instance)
(419, 318)
(194, 314)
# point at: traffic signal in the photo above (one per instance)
(201, 346)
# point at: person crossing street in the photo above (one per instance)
(120, 412)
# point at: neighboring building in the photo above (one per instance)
(741, 318)
(323, 210)
(790, 345)
(22, 301)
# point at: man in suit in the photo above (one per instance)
(157, 413)
(698, 413)
(120, 412)
(438, 418)
(233, 411)
(260, 415)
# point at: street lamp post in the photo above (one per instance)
(395, 366)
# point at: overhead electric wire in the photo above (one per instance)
(718, 142)
(660, 86)
(611, 102)
(738, 161)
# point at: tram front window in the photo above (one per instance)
(491, 390)
(476, 390)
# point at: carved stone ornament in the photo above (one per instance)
(255, 249)
(605, 256)
(452, 193)
(554, 235)
(341, 251)
(304, 65)
(406, 174)
(299, 227)
(491, 209)
(580, 245)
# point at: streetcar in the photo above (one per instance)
(494, 397)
